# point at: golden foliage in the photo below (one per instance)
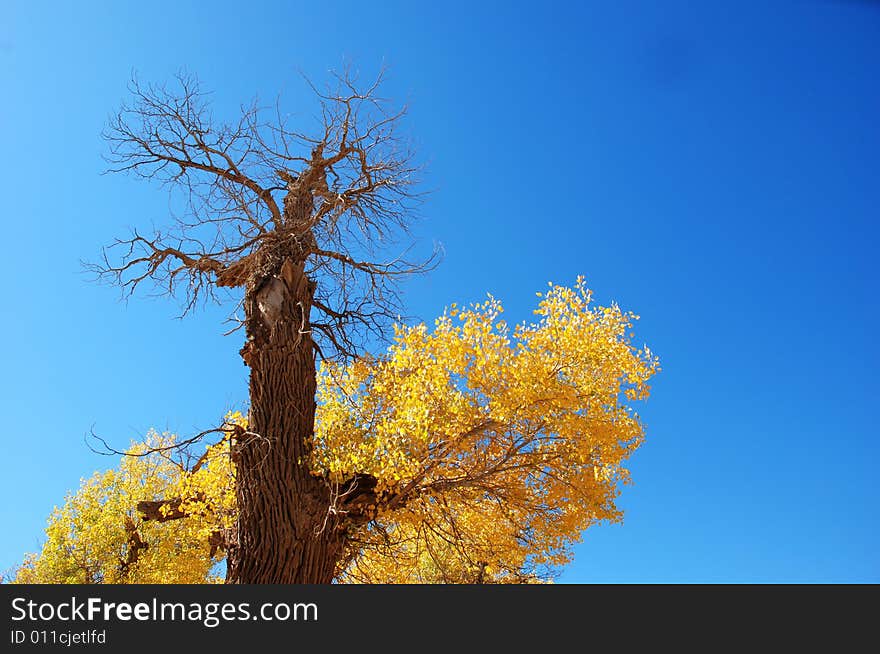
(88, 539)
(493, 450)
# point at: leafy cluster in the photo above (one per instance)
(98, 536)
(491, 450)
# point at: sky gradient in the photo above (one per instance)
(713, 167)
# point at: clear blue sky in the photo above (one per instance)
(714, 167)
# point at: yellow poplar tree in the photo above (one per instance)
(472, 452)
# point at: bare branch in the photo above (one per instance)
(252, 192)
(177, 446)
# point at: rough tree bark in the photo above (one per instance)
(283, 510)
(286, 531)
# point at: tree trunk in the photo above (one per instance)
(286, 533)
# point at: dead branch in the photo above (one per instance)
(252, 192)
(177, 446)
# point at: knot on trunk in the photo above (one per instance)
(278, 310)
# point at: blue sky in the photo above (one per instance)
(713, 167)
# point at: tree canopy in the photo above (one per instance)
(470, 452)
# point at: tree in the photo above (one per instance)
(445, 439)
(468, 453)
